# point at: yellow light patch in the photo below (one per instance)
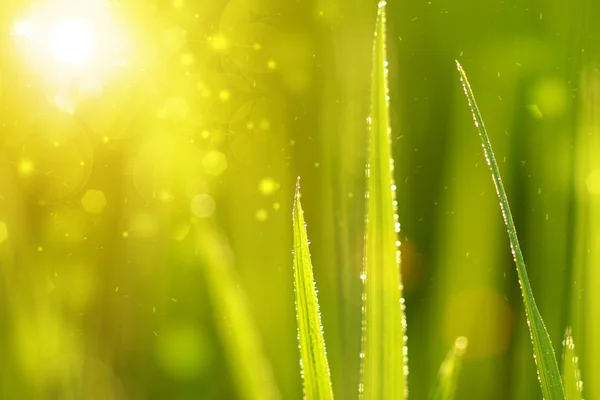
(3, 232)
(203, 206)
(143, 225)
(25, 167)
(265, 125)
(267, 186)
(187, 59)
(93, 201)
(174, 39)
(224, 95)
(175, 108)
(165, 196)
(214, 163)
(592, 181)
(262, 215)
(219, 43)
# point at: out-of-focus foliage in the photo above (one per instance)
(130, 129)
(445, 386)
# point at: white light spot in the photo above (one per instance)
(22, 28)
(72, 41)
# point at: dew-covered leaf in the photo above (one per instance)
(571, 374)
(547, 367)
(384, 365)
(313, 356)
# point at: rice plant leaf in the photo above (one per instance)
(571, 374)
(313, 356)
(545, 359)
(445, 387)
(384, 362)
(249, 366)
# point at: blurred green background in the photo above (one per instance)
(192, 119)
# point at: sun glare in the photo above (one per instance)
(72, 41)
(68, 38)
(75, 46)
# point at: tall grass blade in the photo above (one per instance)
(313, 356)
(384, 362)
(445, 387)
(249, 366)
(571, 374)
(543, 352)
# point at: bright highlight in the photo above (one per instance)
(75, 46)
(22, 28)
(72, 42)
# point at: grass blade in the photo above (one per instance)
(384, 364)
(571, 374)
(313, 356)
(249, 366)
(445, 386)
(543, 351)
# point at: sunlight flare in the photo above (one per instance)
(74, 46)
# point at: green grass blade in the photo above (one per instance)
(384, 364)
(547, 367)
(313, 356)
(249, 366)
(445, 386)
(571, 374)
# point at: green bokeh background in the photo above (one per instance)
(231, 101)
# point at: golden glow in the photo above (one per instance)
(219, 43)
(72, 41)
(25, 167)
(268, 186)
(262, 215)
(224, 95)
